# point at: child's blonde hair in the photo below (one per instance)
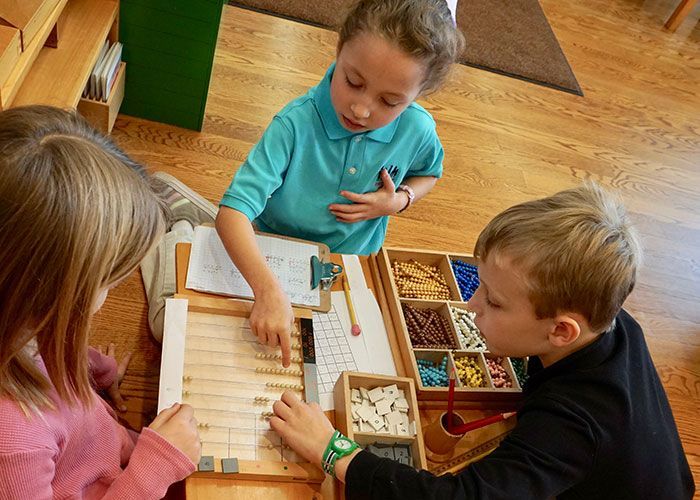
(422, 28)
(76, 215)
(577, 250)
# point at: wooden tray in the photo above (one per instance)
(505, 397)
(343, 416)
(102, 115)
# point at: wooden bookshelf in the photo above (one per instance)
(58, 76)
(12, 85)
(10, 51)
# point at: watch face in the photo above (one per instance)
(342, 444)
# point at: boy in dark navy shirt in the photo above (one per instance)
(595, 422)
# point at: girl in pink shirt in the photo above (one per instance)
(76, 217)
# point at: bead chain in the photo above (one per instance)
(467, 278)
(427, 328)
(499, 376)
(420, 281)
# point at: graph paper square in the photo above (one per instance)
(333, 354)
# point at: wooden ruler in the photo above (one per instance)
(459, 462)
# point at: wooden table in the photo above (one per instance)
(207, 488)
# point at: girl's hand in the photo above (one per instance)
(113, 390)
(303, 426)
(272, 321)
(384, 201)
(179, 427)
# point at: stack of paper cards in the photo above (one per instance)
(382, 410)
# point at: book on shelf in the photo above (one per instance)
(110, 70)
(99, 84)
(90, 86)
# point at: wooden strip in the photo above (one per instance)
(456, 464)
(378, 290)
(231, 307)
(679, 15)
(10, 51)
(258, 470)
(173, 356)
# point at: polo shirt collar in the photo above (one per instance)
(334, 129)
(591, 356)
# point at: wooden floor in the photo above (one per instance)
(637, 129)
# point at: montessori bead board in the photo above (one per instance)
(211, 357)
(428, 293)
(367, 404)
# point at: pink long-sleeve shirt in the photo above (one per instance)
(84, 453)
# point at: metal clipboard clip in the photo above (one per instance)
(323, 273)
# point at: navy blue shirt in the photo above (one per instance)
(594, 425)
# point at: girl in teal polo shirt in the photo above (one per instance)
(336, 162)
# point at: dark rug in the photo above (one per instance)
(509, 37)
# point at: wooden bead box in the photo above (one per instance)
(344, 419)
(452, 351)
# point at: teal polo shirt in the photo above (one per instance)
(306, 157)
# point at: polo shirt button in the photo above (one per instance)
(358, 138)
(352, 170)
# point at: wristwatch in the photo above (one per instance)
(411, 195)
(338, 447)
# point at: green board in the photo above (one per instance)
(169, 51)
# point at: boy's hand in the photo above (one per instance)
(272, 321)
(113, 390)
(302, 426)
(179, 427)
(384, 201)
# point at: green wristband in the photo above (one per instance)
(338, 446)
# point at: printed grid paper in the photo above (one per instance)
(211, 270)
(333, 354)
(337, 350)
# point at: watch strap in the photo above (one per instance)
(328, 455)
(331, 455)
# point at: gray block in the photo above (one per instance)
(229, 465)
(403, 454)
(387, 452)
(206, 464)
(402, 450)
(374, 450)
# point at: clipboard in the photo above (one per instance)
(321, 271)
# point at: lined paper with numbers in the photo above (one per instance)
(211, 270)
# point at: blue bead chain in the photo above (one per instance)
(432, 374)
(467, 278)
